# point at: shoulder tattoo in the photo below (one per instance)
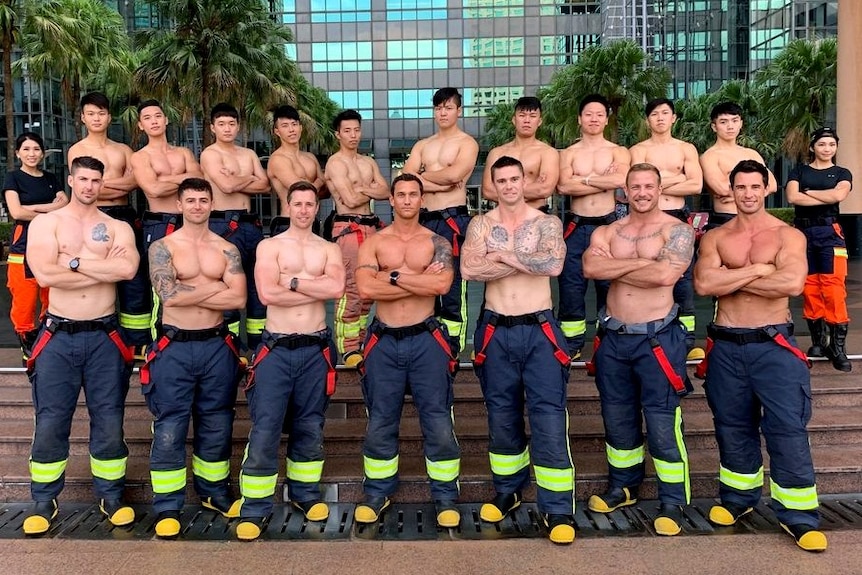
(442, 251)
(234, 261)
(679, 247)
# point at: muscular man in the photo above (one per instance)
(288, 165)
(756, 377)
(521, 353)
(681, 176)
(640, 358)
(444, 163)
(591, 170)
(717, 162)
(404, 268)
(816, 190)
(353, 180)
(134, 295)
(192, 368)
(80, 254)
(541, 162)
(293, 373)
(236, 175)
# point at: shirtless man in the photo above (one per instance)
(80, 254)
(134, 295)
(404, 268)
(297, 272)
(236, 174)
(591, 170)
(753, 264)
(288, 165)
(515, 249)
(643, 255)
(717, 162)
(159, 168)
(444, 162)
(353, 180)
(193, 367)
(541, 162)
(681, 176)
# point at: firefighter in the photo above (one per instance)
(816, 189)
(640, 350)
(192, 366)
(515, 249)
(404, 268)
(80, 254)
(293, 373)
(756, 377)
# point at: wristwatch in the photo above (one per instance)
(393, 277)
(74, 263)
(294, 284)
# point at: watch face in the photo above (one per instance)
(74, 264)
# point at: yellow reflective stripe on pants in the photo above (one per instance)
(111, 470)
(304, 471)
(688, 321)
(47, 472)
(509, 464)
(254, 326)
(15, 258)
(741, 481)
(573, 328)
(380, 468)
(210, 470)
(623, 458)
(458, 328)
(257, 487)
(800, 498)
(683, 453)
(555, 479)
(669, 472)
(135, 320)
(168, 481)
(446, 470)
(838, 253)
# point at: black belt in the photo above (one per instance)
(591, 220)
(535, 318)
(366, 220)
(162, 217)
(296, 341)
(680, 214)
(745, 336)
(235, 215)
(119, 210)
(402, 332)
(79, 326)
(183, 335)
(812, 222)
(428, 215)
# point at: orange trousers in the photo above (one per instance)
(351, 311)
(26, 293)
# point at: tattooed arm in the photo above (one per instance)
(539, 256)
(672, 261)
(437, 277)
(122, 260)
(234, 278)
(171, 291)
(475, 265)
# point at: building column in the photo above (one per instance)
(850, 132)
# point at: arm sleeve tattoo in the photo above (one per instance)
(162, 272)
(442, 251)
(679, 247)
(546, 234)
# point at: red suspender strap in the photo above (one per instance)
(258, 357)
(486, 339)
(700, 370)
(591, 365)
(570, 229)
(561, 355)
(779, 338)
(331, 375)
(157, 348)
(172, 225)
(38, 347)
(441, 339)
(369, 345)
(673, 377)
(450, 221)
(125, 350)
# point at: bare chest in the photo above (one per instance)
(396, 253)
(172, 162)
(637, 242)
(359, 171)
(439, 154)
(587, 162)
(301, 258)
(112, 156)
(191, 261)
(666, 157)
(522, 238)
(740, 250)
(93, 238)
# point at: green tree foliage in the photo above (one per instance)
(9, 28)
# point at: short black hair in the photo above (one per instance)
(287, 112)
(505, 162)
(300, 186)
(594, 99)
(223, 110)
(656, 102)
(33, 136)
(196, 184)
(148, 103)
(443, 95)
(406, 177)
(749, 167)
(88, 163)
(96, 99)
(343, 116)
(725, 109)
(528, 104)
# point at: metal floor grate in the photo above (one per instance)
(416, 522)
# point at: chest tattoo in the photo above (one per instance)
(634, 239)
(100, 233)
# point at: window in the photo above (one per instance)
(493, 52)
(415, 10)
(410, 104)
(362, 101)
(340, 11)
(417, 54)
(341, 57)
(493, 8)
(480, 101)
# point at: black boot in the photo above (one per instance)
(819, 337)
(836, 351)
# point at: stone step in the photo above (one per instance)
(837, 467)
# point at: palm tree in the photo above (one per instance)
(797, 90)
(75, 41)
(217, 51)
(620, 72)
(9, 30)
